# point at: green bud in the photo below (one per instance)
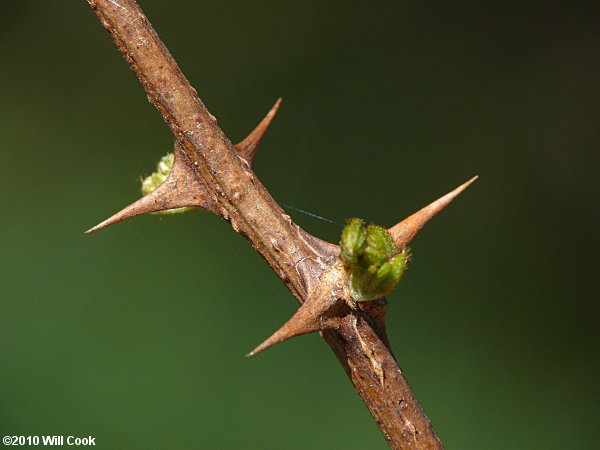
(380, 246)
(150, 183)
(389, 274)
(354, 239)
(359, 284)
(371, 260)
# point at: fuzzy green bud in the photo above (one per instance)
(353, 242)
(380, 246)
(371, 260)
(389, 274)
(150, 183)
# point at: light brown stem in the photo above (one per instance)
(302, 261)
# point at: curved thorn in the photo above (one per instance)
(405, 231)
(247, 148)
(181, 188)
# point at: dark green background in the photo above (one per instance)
(136, 334)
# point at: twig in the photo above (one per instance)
(212, 173)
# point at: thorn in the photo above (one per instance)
(405, 231)
(247, 148)
(181, 188)
(313, 315)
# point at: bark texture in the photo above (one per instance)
(211, 173)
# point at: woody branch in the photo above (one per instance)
(211, 173)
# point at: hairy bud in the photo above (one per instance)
(371, 260)
(353, 242)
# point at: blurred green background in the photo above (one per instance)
(136, 334)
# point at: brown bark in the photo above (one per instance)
(220, 179)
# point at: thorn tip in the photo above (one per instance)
(247, 148)
(182, 188)
(405, 231)
(313, 315)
